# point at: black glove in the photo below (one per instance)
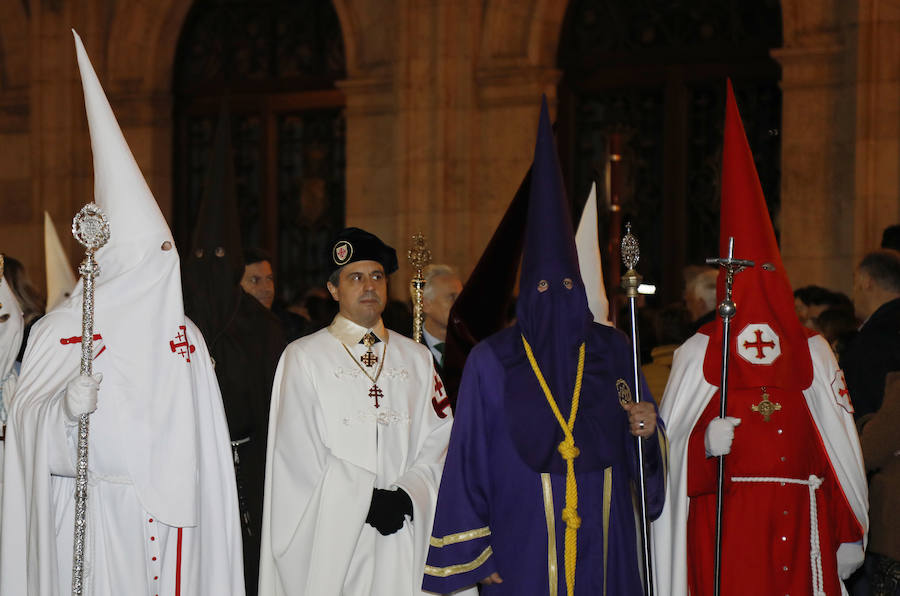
(387, 510)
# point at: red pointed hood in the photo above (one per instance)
(769, 345)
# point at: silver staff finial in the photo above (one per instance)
(90, 227)
(631, 252)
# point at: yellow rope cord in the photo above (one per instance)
(569, 452)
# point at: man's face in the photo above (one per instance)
(362, 292)
(259, 282)
(444, 291)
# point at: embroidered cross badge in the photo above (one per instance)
(183, 348)
(442, 404)
(758, 343)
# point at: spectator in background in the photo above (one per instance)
(442, 287)
(700, 296)
(890, 238)
(880, 443)
(30, 299)
(875, 351)
(259, 282)
(673, 324)
(838, 326)
(811, 301)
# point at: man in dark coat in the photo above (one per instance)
(875, 351)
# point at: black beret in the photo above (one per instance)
(353, 244)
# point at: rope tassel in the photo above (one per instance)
(569, 452)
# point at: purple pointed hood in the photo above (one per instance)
(552, 308)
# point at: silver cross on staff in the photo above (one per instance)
(91, 228)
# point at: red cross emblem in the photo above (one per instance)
(757, 343)
(183, 348)
(841, 393)
(76, 339)
(444, 403)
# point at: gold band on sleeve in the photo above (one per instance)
(460, 537)
(551, 533)
(461, 568)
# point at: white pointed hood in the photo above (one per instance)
(60, 274)
(146, 411)
(12, 326)
(588, 245)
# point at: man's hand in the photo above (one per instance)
(81, 396)
(719, 436)
(641, 418)
(493, 578)
(388, 510)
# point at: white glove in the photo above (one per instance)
(850, 556)
(81, 396)
(719, 435)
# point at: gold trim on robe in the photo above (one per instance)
(551, 533)
(461, 568)
(460, 537)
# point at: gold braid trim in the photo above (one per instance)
(607, 503)
(461, 568)
(552, 573)
(460, 537)
(569, 452)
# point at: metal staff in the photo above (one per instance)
(91, 228)
(419, 257)
(727, 310)
(630, 282)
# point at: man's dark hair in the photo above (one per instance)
(890, 238)
(838, 326)
(883, 266)
(256, 255)
(335, 277)
(813, 295)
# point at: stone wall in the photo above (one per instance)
(442, 102)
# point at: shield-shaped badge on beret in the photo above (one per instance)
(342, 252)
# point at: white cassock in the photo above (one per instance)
(129, 550)
(329, 447)
(687, 396)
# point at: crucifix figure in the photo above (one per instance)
(377, 393)
(766, 407)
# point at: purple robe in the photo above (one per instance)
(491, 509)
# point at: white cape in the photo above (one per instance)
(36, 537)
(686, 397)
(328, 448)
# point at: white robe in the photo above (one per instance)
(329, 447)
(686, 397)
(129, 551)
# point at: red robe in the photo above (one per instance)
(766, 526)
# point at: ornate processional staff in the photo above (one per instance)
(630, 282)
(727, 310)
(91, 228)
(419, 257)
